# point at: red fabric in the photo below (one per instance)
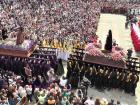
(136, 41)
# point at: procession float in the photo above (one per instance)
(112, 55)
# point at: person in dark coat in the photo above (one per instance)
(121, 79)
(60, 68)
(104, 81)
(74, 79)
(92, 79)
(54, 63)
(129, 53)
(127, 83)
(111, 103)
(35, 67)
(4, 33)
(46, 67)
(97, 79)
(82, 72)
(134, 79)
(69, 69)
(87, 71)
(117, 81)
(113, 78)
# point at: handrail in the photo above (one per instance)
(43, 54)
(103, 65)
(47, 47)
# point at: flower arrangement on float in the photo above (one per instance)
(10, 44)
(116, 56)
(98, 45)
(93, 50)
(117, 52)
(89, 47)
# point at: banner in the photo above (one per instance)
(135, 35)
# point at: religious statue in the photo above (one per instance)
(20, 36)
(108, 45)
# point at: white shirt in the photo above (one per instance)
(22, 91)
(29, 90)
(89, 102)
(63, 82)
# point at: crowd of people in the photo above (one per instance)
(37, 64)
(117, 7)
(121, 1)
(64, 19)
(9, 95)
(22, 77)
(65, 44)
(57, 92)
(40, 77)
(45, 18)
(102, 77)
(41, 88)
